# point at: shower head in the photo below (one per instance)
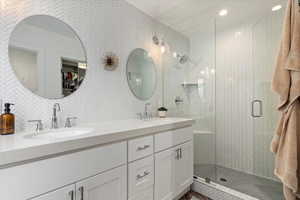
(183, 59)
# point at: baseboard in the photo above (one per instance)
(183, 193)
(218, 192)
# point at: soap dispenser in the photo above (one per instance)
(7, 120)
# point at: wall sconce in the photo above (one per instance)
(155, 40)
(160, 43)
(163, 47)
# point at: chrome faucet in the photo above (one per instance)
(39, 125)
(68, 123)
(147, 114)
(54, 120)
(146, 109)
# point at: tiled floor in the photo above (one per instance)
(255, 186)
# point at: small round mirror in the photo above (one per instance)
(47, 56)
(141, 74)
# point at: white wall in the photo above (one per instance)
(106, 25)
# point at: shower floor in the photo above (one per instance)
(251, 185)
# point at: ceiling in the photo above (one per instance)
(189, 16)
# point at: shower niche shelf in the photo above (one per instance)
(189, 84)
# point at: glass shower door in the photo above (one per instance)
(266, 35)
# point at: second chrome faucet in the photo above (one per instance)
(147, 115)
(54, 119)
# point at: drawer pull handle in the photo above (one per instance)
(177, 156)
(71, 194)
(81, 190)
(138, 177)
(143, 148)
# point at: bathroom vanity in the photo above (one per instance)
(143, 159)
(131, 159)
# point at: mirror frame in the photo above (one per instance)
(127, 78)
(79, 39)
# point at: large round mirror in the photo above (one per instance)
(47, 56)
(141, 74)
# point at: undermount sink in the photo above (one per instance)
(59, 133)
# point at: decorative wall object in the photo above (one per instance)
(110, 61)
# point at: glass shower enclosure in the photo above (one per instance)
(225, 85)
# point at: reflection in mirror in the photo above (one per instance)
(141, 74)
(47, 56)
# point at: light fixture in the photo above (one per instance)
(223, 12)
(175, 55)
(155, 40)
(159, 42)
(163, 47)
(277, 7)
(237, 34)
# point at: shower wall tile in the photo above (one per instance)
(103, 25)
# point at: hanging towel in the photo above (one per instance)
(286, 83)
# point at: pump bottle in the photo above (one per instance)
(7, 121)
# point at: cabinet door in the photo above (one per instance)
(164, 175)
(66, 193)
(110, 185)
(184, 168)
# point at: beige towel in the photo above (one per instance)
(286, 82)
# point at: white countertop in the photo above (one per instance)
(16, 148)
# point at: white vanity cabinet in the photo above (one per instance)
(34, 179)
(173, 164)
(65, 193)
(157, 166)
(164, 175)
(183, 167)
(109, 185)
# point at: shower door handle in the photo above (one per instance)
(253, 113)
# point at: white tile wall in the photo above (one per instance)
(103, 25)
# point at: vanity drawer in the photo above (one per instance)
(172, 138)
(140, 176)
(140, 148)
